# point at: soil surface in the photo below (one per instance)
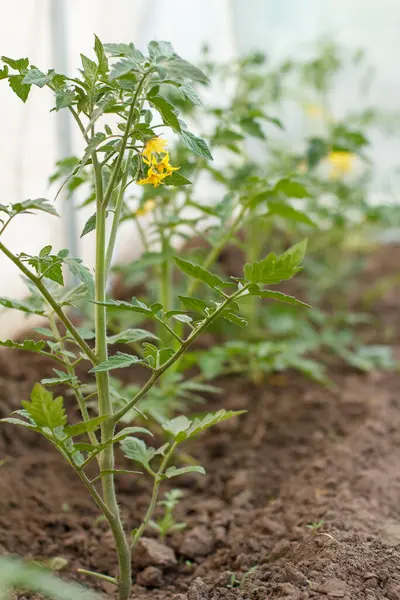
(301, 455)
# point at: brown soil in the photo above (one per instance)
(301, 455)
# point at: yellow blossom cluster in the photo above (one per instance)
(157, 158)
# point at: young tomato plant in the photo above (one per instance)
(125, 150)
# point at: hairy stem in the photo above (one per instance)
(105, 405)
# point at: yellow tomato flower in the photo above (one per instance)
(146, 208)
(341, 163)
(155, 145)
(165, 164)
(314, 111)
(152, 177)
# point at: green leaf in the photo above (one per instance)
(177, 425)
(20, 305)
(118, 361)
(78, 269)
(30, 345)
(196, 144)
(176, 179)
(101, 56)
(89, 69)
(198, 425)
(166, 111)
(174, 472)
(291, 189)
(279, 296)
(4, 72)
(64, 98)
(90, 225)
(288, 212)
(273, 269)
(160, 48)
(131, 335)
(252, 127)
(234, 318)
(14, 421)
(17, 574)
(199, 273)
(45, 410)
(40, 204)
(136, 450)
(120, 49)
(85, 427)
(193, 304)
(124, 66)
(134, 306)
(128, 431)
(19, 64)
(36, 77)
(180, 69)
(61, 378)
(18, 87)
(190, 93)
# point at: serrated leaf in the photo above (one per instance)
(281, 297)
(160, 48)
(175, 179)
(131, 335)
(85, 427)
(20, 305)
(61, 378)
(14, 421)
(291, 189)
(177, 425)
(45, 410)
(196, 144)
(199, 425)
(101, 56)
(166, 111)
(118, 361)
(288, 212)
(38, 204)
(182, 317)
(190, 93)
(181, 69)
(134, 306)
(36, 77)
(199, 273)
(19, 64)
(129, 431)
(124, 66)
(64, 98)
(30, 345)
(136, 450)
(78, 269)
(193, 304)
(174, 472)
(234, 318)
(90, 225)
(273, 269)
(18, 87)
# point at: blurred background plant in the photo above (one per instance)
(264, 195)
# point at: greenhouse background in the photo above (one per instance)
(54, 33)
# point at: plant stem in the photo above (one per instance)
(98, 576)
(154, 497)
(105, 405)
(71, 372)
(185, 344)
(53, 303)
